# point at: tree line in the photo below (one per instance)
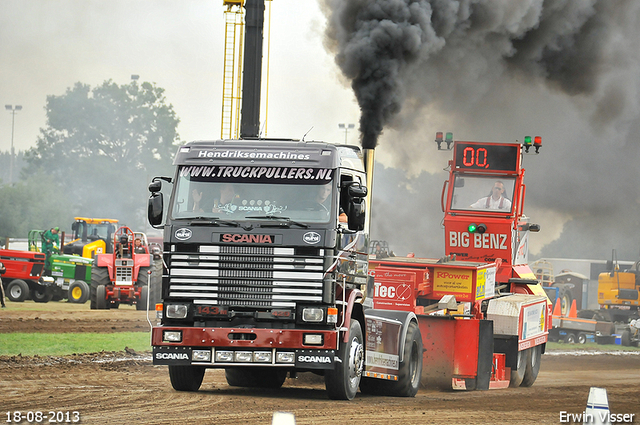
(100, 148)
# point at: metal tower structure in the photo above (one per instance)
(232, 74)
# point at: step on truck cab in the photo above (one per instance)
(266, 271)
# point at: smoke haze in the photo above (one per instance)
(497, 70)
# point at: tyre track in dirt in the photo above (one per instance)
(121, 388)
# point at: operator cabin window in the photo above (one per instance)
(485, 193)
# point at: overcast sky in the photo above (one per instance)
(566, 70)
(47, 46)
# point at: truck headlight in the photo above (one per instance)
(312, 339)
(172, 336)
(224, 356)
(262, 357)
(312, 314)
(285, 357)
(177, 311)
(243, 356)
(201, 355)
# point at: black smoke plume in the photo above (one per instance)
(497, 70)
(385, 47)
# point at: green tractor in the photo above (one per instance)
(71, 274)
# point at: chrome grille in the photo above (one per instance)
(124, 271)
(246, 276)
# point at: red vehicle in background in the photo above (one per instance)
(124, 276)
(23, 276)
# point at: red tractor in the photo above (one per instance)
(123, 276)
(23, 276)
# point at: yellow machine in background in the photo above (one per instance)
(619, 290)
(91, 236)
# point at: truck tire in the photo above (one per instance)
(141, 304)
(99, 276)
(342, 382)
(517, 374)
(534, 356)
(570, 338)
(186, 378)
(252, 377)
(625, 339)
(409, 373)
(101, 298)
(41, 294)
(17, 290)
(79, 292)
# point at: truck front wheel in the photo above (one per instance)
(342, 381)
(186, 378)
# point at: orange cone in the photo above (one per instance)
(557, 310)
(573, 312)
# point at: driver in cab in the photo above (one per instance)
(495, 200)
(322, 198)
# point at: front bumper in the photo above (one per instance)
(250, 343)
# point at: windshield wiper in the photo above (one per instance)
(283, 221)
(215, 221)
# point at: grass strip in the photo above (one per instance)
(590, 346)
(61, 344)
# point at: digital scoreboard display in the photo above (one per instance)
(485, 157)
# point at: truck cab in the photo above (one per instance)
(265, 249)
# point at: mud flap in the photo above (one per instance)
(485, 356)
(315, 359)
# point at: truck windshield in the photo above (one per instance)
(263, 191)
(482, 193)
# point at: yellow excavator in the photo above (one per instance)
(618, 292)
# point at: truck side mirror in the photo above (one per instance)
(155, 209)
(74, 226)
(155, 186)
(357, 207)
(357, 214)
(356, 191)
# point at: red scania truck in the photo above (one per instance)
(263, 277)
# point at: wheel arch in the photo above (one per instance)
(404, 318)
(352, 309)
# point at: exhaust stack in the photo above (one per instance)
(369, 159)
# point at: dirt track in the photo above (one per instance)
(121, 388)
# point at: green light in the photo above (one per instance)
(472, 228)
(527, 140)
(449, 137)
